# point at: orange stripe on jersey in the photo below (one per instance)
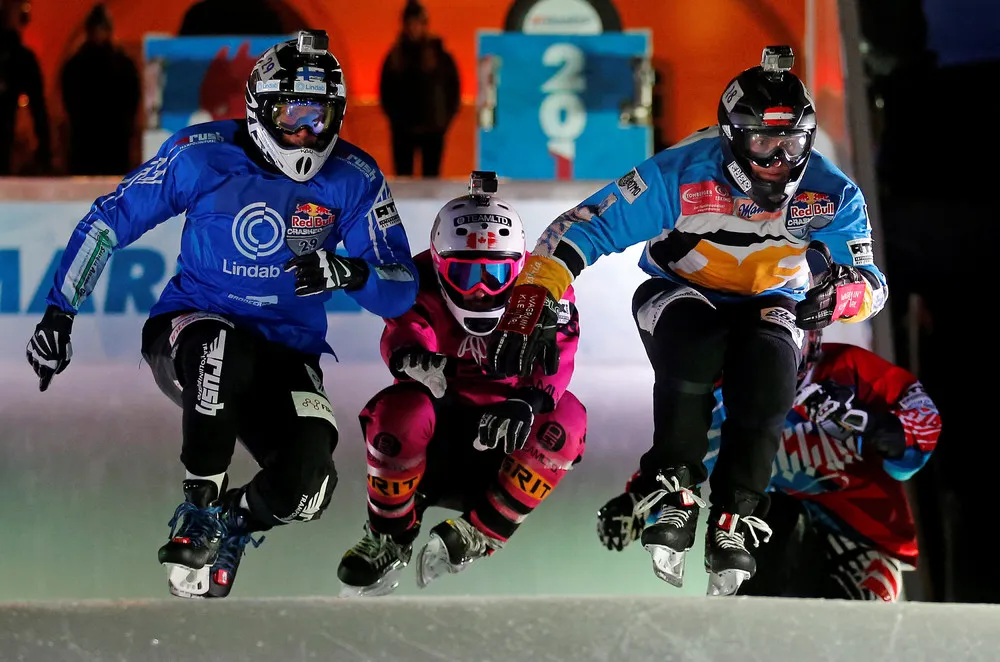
(759, 271)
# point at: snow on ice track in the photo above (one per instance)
(500, 629)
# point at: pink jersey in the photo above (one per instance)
(430, 325)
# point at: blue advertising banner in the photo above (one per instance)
(199, 79)
(560, 103)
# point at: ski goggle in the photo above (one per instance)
(466, 276)
(762, 147)
(290, 116)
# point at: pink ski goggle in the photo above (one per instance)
(491, 276)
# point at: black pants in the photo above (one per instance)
(808, 558)
(405, 144)
(690, 344)
(232, 383)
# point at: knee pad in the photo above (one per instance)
(398, 420)
(298, 484)
(561, 436)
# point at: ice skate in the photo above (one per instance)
(727, 560)
(196, 534)
(372, 567)
(453, 546)
(222, 574)
(672, 534)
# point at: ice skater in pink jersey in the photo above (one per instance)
(450, 433)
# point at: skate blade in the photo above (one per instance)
(726, 582)
(384, 586)
(185, 582)
(668, 564)
(433, 561)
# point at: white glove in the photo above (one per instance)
(426, 368)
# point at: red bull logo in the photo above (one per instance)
(809, 204)
(312, 216)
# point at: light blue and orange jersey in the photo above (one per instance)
(702, 230)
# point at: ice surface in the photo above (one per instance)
(499, 629)
(90, 474)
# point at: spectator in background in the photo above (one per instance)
(419, 91)
(99, 62)
(20, 76)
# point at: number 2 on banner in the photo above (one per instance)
(562, 114)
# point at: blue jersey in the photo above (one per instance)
(243, 221)
(702, 231)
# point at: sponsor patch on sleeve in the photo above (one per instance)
(385, 214)
(632, 186)
(861, 251)
(565, 312)
(916, 398)
(708, 197)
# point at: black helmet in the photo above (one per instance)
(766, 114)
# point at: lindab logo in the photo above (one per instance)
(258, 231)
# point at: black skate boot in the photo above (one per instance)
(222, 574)
(618, 522)
(196, 533)
(453, 546)
(727, 560)
(372, 567)
(672, 534)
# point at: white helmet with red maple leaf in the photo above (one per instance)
(478, 250)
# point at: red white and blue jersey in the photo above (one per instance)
(860, 495)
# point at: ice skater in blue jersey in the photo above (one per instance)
(727, 215)
(236, 336)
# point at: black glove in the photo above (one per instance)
(49, 351)
(325, 271)
(838, 293)
(830, 401)
(884, 435)
(422, 366)
(617, 523)
(506, 425)
(526, 333)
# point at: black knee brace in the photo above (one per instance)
(297, 482)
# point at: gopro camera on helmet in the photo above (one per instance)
(483, 182)
(777, 58)
(313, 42)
